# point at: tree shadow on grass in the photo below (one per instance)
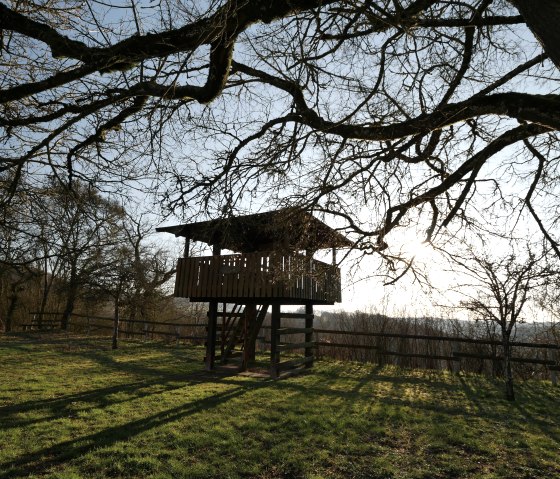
(149, 380)
(41, 460)
(482, 400)
(539, 408)
(152, 367)
(95, 398)
(319, 382)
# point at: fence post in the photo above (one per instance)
(275, 323)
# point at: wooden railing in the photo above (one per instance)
(258, 275)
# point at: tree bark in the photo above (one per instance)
(70, 301)
(47, 284)
(116, 322)
(11, 309)
(542, 19)
(510, 394)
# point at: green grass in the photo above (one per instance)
(72, 408)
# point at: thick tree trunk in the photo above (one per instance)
(497, 365)
(8, 325)
(47, 283)
(43, 306)
(542, 18)
(508, 376)
(115, 344)
(70, 299)
(129, 327)
(68, 309)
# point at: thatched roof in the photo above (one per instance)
(289, 229)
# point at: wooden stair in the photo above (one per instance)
(238, 332)
(232, 334)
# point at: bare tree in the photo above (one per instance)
(18, 251)
(152, 269)
(88, 225)
(497, 291)
(134, 273)
(73, 229)
(384, 113)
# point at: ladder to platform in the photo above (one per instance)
(236, 331)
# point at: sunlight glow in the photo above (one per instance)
(420, 250)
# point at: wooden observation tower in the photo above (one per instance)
(272, 265)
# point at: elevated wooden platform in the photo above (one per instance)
(268, 270)
(258, 277)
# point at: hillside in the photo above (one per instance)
(70, 407)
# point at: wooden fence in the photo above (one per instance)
(437, 351)
(440, 351)
(148, 329)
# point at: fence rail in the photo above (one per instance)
(436, 348)
(439, 351)
(427, 337)
(147, 331)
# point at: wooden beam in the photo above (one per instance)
(295, 330)
(345, 345)
(309, 335)
(249, 320)
(274, 340)
(546, 362)
(211, 337)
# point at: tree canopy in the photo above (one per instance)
(384, 113)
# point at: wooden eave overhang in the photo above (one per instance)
(288, 229)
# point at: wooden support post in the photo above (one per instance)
(334, 256)
(211, 336)
(187, 250)
(249, 319)
(274, 340)
(222, 332)
(309, 335)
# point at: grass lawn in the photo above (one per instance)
(72, 408)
